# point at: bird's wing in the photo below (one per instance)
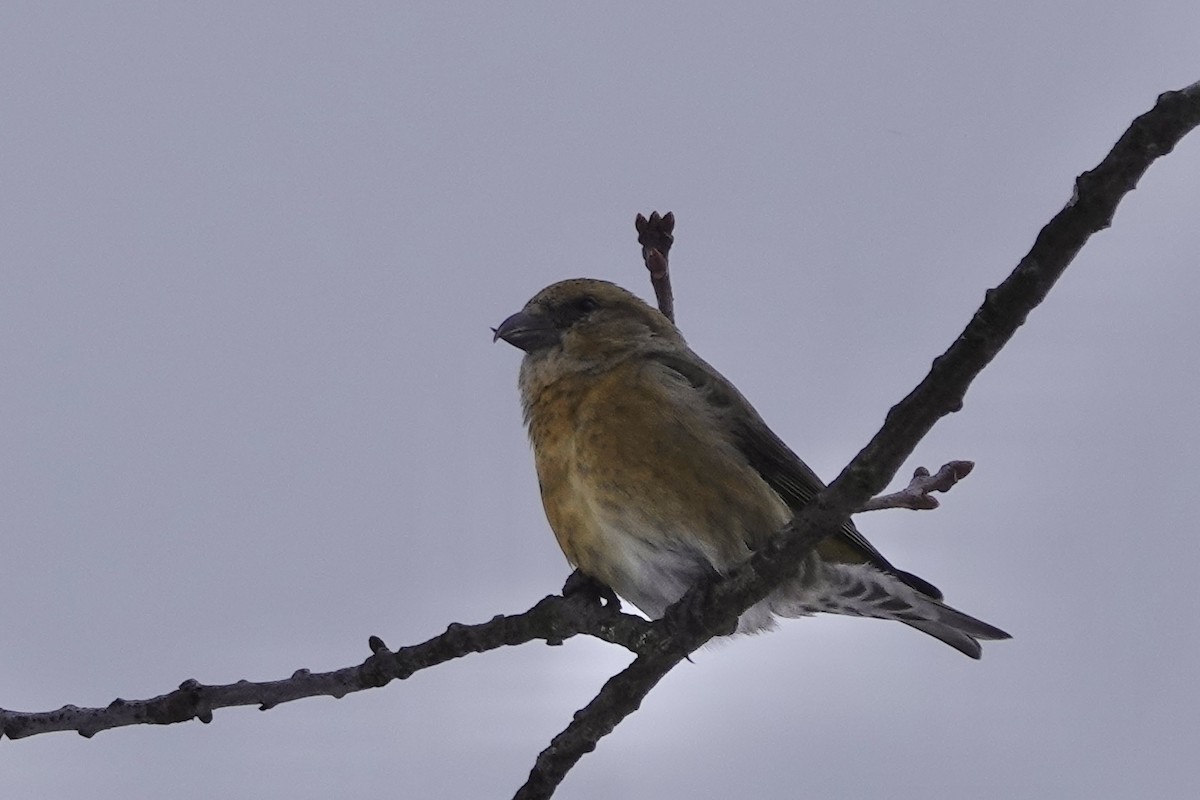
(782, 469)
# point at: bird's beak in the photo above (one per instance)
(527, 331)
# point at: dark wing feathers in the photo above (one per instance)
(782, 469)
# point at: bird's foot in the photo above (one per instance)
(592, 589)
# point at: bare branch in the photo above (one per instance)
(916, 495)
(620, 696)
(655, 235)
(554, 619)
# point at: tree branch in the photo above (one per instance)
(620, 696)
(554, 619)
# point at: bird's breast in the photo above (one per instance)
(641, 487)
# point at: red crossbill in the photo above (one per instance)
(655, 471)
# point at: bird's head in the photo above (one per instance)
(587, 321)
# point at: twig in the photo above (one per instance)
(655, 235)
(554, 619)
(917, 494)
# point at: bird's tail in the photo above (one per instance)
(960, 631)
(862, 590)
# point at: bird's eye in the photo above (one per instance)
(572, 310)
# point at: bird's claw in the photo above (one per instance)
(580, 584)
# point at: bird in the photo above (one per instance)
(655, 471)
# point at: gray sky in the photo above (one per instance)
(251, 412)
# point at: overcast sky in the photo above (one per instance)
(251, 412)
